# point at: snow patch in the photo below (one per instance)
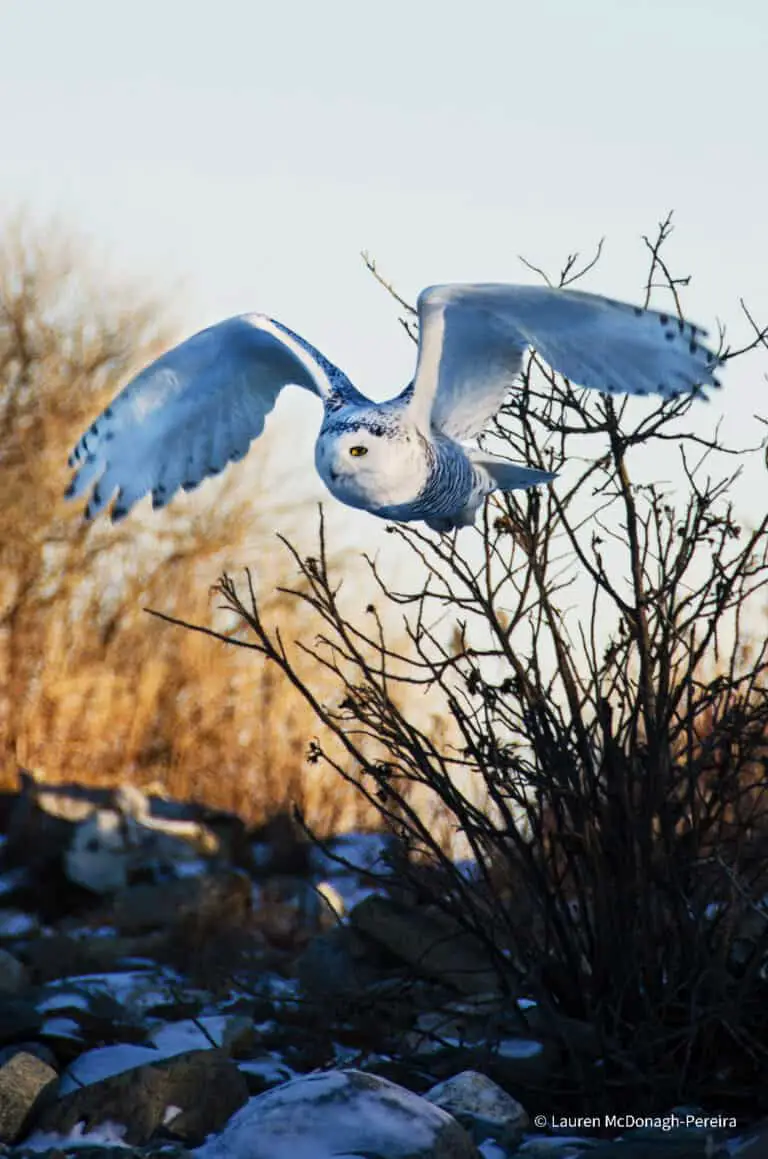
(62, 1028)
(519, 1048)
(63, 1000)
(190, 1034)
(105, 1134)
(14, 923)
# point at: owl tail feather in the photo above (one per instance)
(506, 476)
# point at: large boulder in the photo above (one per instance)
(188, 1096)
(340, 1112)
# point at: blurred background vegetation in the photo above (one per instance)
(92, 689)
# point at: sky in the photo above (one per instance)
(239, 156)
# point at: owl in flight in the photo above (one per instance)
(413, 457)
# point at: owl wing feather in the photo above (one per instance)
(472, 340)
(192, 411)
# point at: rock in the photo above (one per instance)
(101, 1143)
(280, 846)
(63, 955)
(38, 1049)
(340, 1113)
(482, 1019)
(68, 845)
(24, 1081)
(234, 1034)
(524, 1061)
(122, 997)
(68, 802)
(19, 1019)
(337, 964)
(18, 888)
(265, 1072)
(110, 847)
(41, 824)
(224, 898)
(576, 1035)
(474, 1034)
(99, 853)
(517, 1044)
(491, 1150)
(13, 974)
(204, 1087)
(17, 923)
(571, 1147)
(42, 818)
(481, 1106)
(292, 910)
(238, 1039)
(53, 1147)
(694, 1136)
(752, 1143)
(95, 1066)
(428, 941)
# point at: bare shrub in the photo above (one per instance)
(598, 650)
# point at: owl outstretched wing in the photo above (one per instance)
(472, 340)
(192, 411)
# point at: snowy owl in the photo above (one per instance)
(411, 458)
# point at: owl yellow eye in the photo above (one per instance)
(357, 452)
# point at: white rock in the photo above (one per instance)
(482, 1106)
(110, 844)
(337, 1113)
(99, 854)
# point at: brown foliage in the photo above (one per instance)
(91, 688)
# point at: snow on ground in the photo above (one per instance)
(135, 990)
(62, 1028)
(363, 853)
(105, 1061)
(270, 1068)
(195, 867)
(519, 1048)
(188, 1034)
(14, 923)
(167, 1039)
(63, 999)
(104, 1135)
(491, 1150)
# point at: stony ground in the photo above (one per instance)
(173, 984)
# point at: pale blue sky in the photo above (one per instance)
(245, 152)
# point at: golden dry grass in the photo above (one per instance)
(92, 689)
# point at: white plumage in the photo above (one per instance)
(201, 404)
